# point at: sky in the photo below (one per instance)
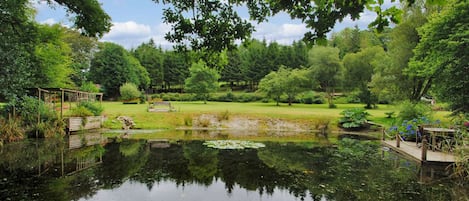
(138, 21)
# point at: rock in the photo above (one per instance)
(127, 122)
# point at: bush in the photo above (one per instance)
(80, 111)
(10, 130)
(129, 92)
(410, 111)
(28, 108)
(311, 97)
(89, 87)
(354, 118)
(95, 108)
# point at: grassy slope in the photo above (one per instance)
(297, 112)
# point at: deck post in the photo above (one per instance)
(384, 134)
(424, 150)
(398, 140)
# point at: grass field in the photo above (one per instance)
(185, 110)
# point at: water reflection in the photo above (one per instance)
(187, 170)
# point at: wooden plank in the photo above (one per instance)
(411, 150)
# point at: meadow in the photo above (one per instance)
(187, 110)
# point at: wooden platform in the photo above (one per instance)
(413, 152)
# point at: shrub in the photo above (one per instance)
(95, 108)
(354, 118)
(312, 98)
(89, 87)
(129, 91)
(80, 111)
(410, 111)
(10, 129)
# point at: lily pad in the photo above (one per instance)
(233, 144)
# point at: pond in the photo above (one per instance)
(122, 169)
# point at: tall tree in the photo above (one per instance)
(17, 46)
(233, 71)
(54, 58)
(359, 68)
(441, 56)
(326, 68)
(113, 66)
(176, 69)
(152, 58)
(403, 39)
(273, 85)
(202, 80)
(215, 25)
(83, 49)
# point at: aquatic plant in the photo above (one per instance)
(233, 144)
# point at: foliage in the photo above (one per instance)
(90, 18)
(359, 69)
(441, 56)
(285, 81)
(461, 167)
(80, 111)
(273, 85)
(311, 97)
(409, 110)
(129, 91)
(408, 128)
(89, 87)
(233, 144)
(326, 68)
(211, 24)
(54, 58)
(113, 59)
(354, 118)
(10, 129)
(202, 80)
(389, 81)
(151, 58)
(17, 47)
(94, 107)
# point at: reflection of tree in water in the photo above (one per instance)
(121, 161)
(203, 162)
(352, 170)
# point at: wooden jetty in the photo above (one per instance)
(420, 154)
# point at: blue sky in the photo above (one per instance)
(138, 21)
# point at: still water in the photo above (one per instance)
(121, 169)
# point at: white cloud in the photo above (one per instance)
(127, 29)
(281, 33)
(131, 34)
(49, 21)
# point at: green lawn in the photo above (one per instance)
(296, 112)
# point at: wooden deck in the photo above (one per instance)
(411, 150)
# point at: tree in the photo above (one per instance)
(215, 25)
(176, 68)
(296, 82)
(233, 71)
(284, 81)
(113, 66)
(441, 57)
(202, 80)
(359, 69)
(19, 38)
(54, 58)
(89, 17)
(82, 50)
(325, 68)
(273, 85)
(17, 47)
(152, 58)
